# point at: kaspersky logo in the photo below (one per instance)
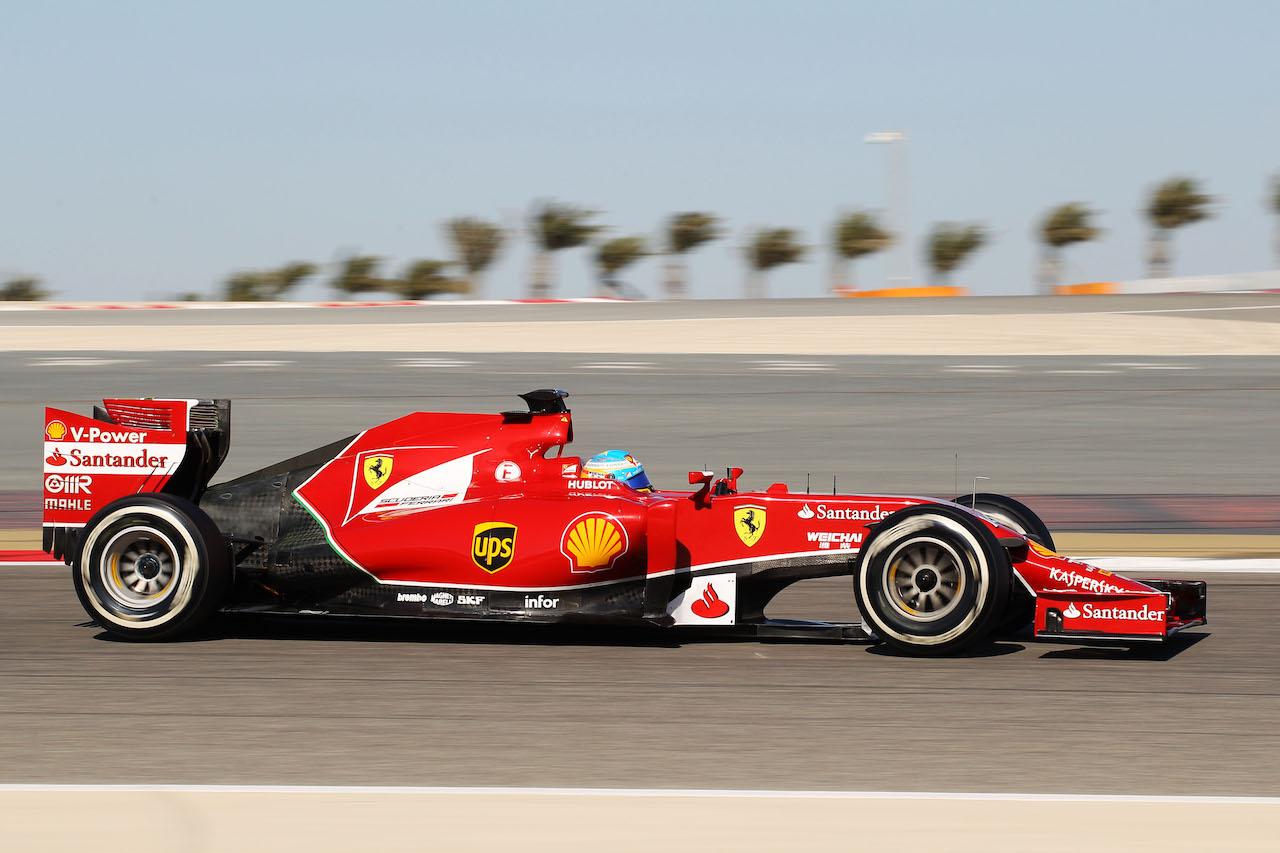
(493, 544)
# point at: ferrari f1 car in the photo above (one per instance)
(481, 517)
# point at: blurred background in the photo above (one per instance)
(159, 150)
(1103, 178)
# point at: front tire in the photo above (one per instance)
(150, 567)
(932, 580)
(1015, 515)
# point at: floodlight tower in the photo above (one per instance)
(898, 195)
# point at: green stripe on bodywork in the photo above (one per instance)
(329, 536)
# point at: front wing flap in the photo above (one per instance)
(1077, 601)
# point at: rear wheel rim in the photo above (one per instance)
(139, 567)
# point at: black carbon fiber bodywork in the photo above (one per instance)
(282, 559)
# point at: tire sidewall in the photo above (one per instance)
(983, 563)
(200, 571)
(1020, 610)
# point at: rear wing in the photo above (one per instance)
(128, 447)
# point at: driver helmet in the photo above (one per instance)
(621, 466)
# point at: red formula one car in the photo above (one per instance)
(481, 517)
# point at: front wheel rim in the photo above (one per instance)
(924, 579)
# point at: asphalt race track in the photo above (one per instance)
(304, 702)
(1033, 425)
(295, 701)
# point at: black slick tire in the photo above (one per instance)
(1017, 516)
(931, 580)
(150, 567)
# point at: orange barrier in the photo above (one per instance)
(1092, 288)
(905, 291)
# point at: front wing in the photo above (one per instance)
(1074, 601)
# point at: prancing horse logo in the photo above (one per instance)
(748, 521)
(376, 471)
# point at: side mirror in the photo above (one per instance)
(702, 497)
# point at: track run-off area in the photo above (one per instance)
(1166, 402)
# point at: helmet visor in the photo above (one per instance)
(640, 482)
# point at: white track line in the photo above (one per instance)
(1148, 565)
(685, 793)
(1080, 372)
(1143, 365)
(616, 365)
(249, 364)
(433, 362)
(793, 365)
(80, 362)
(1189, 310)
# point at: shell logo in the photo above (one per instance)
(55, 431)
(593, 542)
(1040, 549)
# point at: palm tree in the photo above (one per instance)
(557, 227)
(612, 256)
(358, 274)
(22, 289)
(1174, 203)
(855, 235)
(476, 243)
(244, 287)
(949, 244)
(685, 232)
(1064, 225)
(425, 278)
(287, 277)
(769, 248)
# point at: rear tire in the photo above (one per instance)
(932, 580)
(150, 567)
(1015, 515)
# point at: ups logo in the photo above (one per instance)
(493, 545)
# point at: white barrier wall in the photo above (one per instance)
(1245, 281)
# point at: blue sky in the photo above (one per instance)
(154, 147)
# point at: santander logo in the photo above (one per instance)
(56, 458)
(710, 606)
(805, 512)
(1145, 613)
